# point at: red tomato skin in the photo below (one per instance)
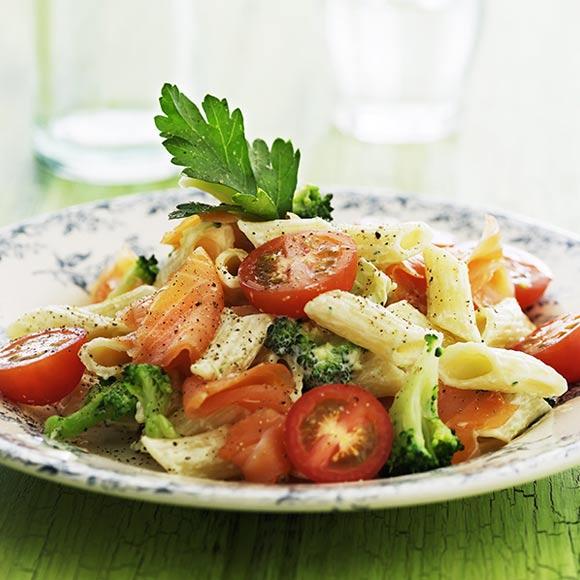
(361, 403)
(530, 275)
(288, 298)
(48, 378)
(556, 343)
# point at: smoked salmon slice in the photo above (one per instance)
(256, 445)
(468, 412)
(488, 275)
(184, 315)
(197, 396)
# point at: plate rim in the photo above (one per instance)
(192, 492)
(157, 487)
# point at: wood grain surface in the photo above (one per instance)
(49, 531)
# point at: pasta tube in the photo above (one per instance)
(234, 347)
(379, 375)
(503, 324)
(261, 232)
(475, 366)
(529, 409)
(104, 357)
(111, 306)
(371, 283)
(226, 264)
(196, 456)
(213, 238)
(59, 316)
(410, 314)
(367, 324)
(389, 244)
(449, 301)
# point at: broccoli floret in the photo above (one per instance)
(310, 203)
(114, 400)
(324, 358)
(283, 335)
(144, 271)
(106, 402)
(152, 388)
(421, 440)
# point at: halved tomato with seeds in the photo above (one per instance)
(42, 368)
(282, 275)
(338, 433)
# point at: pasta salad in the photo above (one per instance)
(275, 344)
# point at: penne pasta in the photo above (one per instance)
(261, 232)
(476, 366)
(529, 408)
(379, 375)
(95, 324)
(410, 314)
(112, 306)
(104, 357)
(214, 238)
(449, 301)
(196, 456)
(488, 275)
(503, 324)
(389, 244)
(371, 283)
(234, 346)
(227, 264)
(369, 325)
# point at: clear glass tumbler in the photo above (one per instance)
(100, 68)
(400, 65)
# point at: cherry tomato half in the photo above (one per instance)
(282, 275)
(338, 433)
(42, 368)
(529, 274)
(557, 343)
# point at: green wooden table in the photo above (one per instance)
(519, 150)
(48, 531)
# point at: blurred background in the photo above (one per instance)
(469, 100)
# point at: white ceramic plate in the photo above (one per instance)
(52, 259)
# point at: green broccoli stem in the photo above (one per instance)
(145, 384)
(421, 440)
(160, 427)
(153, 390)
(71, 426)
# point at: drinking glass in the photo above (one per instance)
(400, 65)
(100, 68)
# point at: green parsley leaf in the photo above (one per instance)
(214, 151)
(217, 158)
(190, 208)
(276, 172)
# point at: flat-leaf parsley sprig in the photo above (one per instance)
(252, 180)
